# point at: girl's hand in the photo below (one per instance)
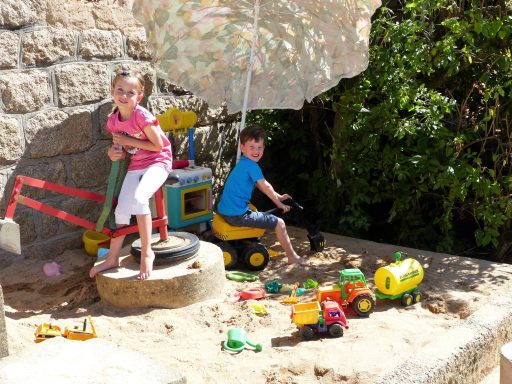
(116, 152)
(121, 139)
(284, 197)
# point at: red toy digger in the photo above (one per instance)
(10, 233)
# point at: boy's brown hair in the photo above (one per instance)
(254, 132)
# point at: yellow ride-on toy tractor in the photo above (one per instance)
(243, 243)
(240, 242)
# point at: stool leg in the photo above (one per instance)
(161, 214)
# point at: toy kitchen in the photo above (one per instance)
(188, 196)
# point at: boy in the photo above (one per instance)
(234, 202)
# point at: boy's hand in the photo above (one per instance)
(285, 208)
(284, 197)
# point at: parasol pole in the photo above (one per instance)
(249, 75)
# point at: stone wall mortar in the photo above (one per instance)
(57, 58)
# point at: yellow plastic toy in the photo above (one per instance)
(93, 241)
(306, 313)
(240, 242)
(243, 242)
(292, 299)
(85, 331)
(226, 232)
(400, 280)
(259, 309)
(47, 331)
(176, 121)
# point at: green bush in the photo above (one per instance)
(415, 150)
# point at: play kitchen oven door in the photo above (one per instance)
(188, 204)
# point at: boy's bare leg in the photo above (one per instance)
(147, 256)
(284, 240)
(112, 260)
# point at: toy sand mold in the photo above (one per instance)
(175, 285)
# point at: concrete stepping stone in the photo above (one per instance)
(175, 285)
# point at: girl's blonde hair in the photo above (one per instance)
(127, 72)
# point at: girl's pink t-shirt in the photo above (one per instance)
(134, 127)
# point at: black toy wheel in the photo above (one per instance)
(178, 246)
(416, 296)
(256, 257)
(307, 333)
(407, 300)
(336, 330)
(363, 305)
(228, 253)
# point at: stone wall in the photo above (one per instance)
(56, 63)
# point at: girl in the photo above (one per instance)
(135, 133)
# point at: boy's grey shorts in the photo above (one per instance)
(253, 219)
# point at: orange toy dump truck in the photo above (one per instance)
(314, 317)
(352, 291)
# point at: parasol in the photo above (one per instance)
(252, 54)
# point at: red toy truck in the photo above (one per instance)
(314, 317)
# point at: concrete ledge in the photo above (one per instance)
(95, 361)
(506, 364)
(479, 339)
(4, 349)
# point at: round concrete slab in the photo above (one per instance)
(174, 285)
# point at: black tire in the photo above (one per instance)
(407, 300)
(336, 330)
(256, 257)
(307, 333)
(187, 247)
(229, 254)
(416, 296)
(363, 305)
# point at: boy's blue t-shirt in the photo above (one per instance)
(238, 188)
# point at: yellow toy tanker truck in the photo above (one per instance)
(399, 280)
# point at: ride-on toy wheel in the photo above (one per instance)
(178, 246)
(256, 257)
(416, 296)
(363, 305)
(228, 253)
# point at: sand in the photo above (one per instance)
(190, 339)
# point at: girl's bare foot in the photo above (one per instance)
(146, 265)
(107, 264)
(296, 259)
